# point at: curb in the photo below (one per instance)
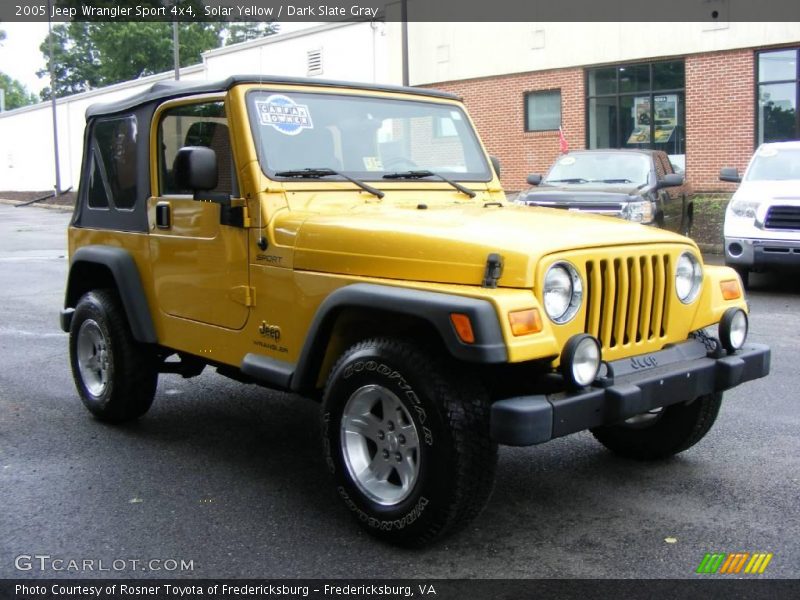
(58, 207)
(707, 248)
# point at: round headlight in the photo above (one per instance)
(580, 360)
(562, 293)
(733, 329)
(688, 277)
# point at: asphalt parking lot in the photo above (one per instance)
(230, 477)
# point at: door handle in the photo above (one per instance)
(163, 215)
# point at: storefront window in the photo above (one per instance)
(637, 106)
(778, 95)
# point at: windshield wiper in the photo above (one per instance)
(325, 172)
(621, 180)
(572, 180)
(423, 174)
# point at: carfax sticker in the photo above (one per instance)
(284, 114)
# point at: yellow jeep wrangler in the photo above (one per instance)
(352, 243)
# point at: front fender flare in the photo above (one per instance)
(432, 307)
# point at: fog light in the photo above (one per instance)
(735, 249)
(580, 360)
(733, 329)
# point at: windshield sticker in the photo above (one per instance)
(284, 114)
(767, 152)
(455, 115)
(373, 163)
(567, 160)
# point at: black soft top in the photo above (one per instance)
(164, 90)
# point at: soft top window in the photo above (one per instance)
(114, 163)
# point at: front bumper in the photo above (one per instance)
(635, 385)
(758, 253)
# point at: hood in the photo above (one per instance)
(449, 244)
(567, 196)
(769, 190)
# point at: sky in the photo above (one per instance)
(19, 54)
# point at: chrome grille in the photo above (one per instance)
(783, 217)
(627, 299)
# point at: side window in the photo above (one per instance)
(195, 125)
(114, 166)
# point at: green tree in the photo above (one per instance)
(92, 54)
(244, 32)
(16, 94)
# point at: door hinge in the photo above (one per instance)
(243, 294)
(247, 223)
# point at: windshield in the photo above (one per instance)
(599, 167)
(363, 137)
(770, 164)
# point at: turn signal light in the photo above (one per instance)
(730, 289)
(525, 321)
(463, 327)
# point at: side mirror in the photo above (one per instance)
(495, 164)
(534, 179)
(670, 180)
(195, 169)
(729, 174)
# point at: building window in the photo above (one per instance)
(543, 110)
(778, 95)
(637, 106)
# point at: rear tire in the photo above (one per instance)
(406, 438)
(115, 375)
(661, 435)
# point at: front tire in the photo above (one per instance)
(744, 274)
(686, 225)
(116, 376)
(406, 438)
(661, 434)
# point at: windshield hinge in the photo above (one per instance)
(493, 272)
(243, 294)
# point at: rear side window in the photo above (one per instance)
(114, 164)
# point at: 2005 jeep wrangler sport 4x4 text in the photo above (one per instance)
(353, 244)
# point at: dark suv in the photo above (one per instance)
(637, 185)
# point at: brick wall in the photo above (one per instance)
(496, 105)
(720, 118)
